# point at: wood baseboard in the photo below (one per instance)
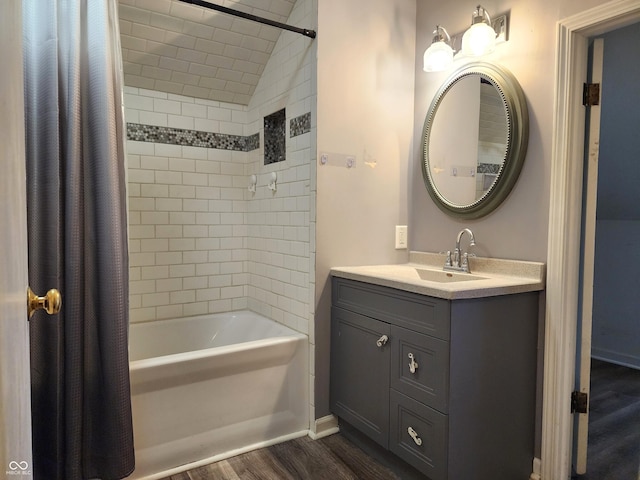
(323, 427)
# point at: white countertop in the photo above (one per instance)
(489, 276)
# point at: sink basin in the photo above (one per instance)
(423, 274)
(446, 277)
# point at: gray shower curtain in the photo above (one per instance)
(77, 222)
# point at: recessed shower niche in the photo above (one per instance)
(275, 128)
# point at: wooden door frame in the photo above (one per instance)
(590, 186)
(565, 213)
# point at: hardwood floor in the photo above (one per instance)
(330, 458)
(614, 423)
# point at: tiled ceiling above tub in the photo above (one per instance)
(175, 47)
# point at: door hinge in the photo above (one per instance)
(579, 402)
(591, 94)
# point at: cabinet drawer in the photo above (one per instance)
(428, 450)
(359, 389)
(429, 381)
(420, 313)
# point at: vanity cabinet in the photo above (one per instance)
(448, 386)
(360, 387)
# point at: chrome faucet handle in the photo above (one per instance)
(465, 262)
(447, 262)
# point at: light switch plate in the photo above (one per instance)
(401, 237)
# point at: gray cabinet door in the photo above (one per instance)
(360, 373)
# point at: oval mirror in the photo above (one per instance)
(475, 140)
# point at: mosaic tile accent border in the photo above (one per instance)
(252, 142)
(275, 131)
(192, 138)
(300, 125)
(488, 168)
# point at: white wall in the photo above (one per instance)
(365, 109)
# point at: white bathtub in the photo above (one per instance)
(209, 387)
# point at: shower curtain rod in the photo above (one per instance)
(248, 16)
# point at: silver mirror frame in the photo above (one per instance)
(517, 140)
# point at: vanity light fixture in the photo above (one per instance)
(439, 55)
(480, 38)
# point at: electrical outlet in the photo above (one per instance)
(401, 237)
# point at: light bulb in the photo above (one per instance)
(480, 39)
(437, 57)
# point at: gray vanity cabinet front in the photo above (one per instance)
(360, 393)
(452, 389)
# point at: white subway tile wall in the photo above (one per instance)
(185, 49)
(200, 242)
(281, 259)
(190, 209)
(184, 203)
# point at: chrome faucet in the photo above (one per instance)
(460, 260)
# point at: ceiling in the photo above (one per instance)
(175, 47)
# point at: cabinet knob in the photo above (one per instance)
(382, 340)
(415, 436)
(413, 365)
